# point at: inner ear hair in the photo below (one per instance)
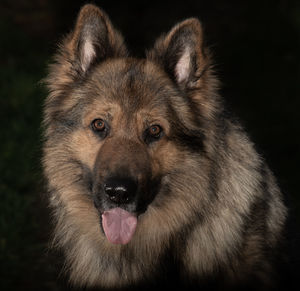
(180, 52)
(94, 38)
(183, 66)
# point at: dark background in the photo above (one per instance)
(256, 48)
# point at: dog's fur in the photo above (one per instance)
(209, 210)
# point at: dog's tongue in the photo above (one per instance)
(119, 225)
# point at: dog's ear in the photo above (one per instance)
(93, 39)
(181, 54)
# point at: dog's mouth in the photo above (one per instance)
(118, 221)
(119, 225)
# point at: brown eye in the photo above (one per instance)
(153, 133)
(98, 125)
(155, 130)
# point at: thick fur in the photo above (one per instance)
(211, 215)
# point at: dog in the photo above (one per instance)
(152, 184)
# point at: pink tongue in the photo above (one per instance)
(119, 225)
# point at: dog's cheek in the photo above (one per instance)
(165, 158)
(85, 147)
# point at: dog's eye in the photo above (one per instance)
(155, 130)
(98, 125)
(153, 133)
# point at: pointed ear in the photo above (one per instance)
(93, 39)
(181, 53)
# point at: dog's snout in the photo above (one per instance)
(120, 190)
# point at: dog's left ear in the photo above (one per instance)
(181, 53)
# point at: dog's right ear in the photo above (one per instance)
(93, 40)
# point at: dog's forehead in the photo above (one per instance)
(130, 82)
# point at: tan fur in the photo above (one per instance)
(218, 238)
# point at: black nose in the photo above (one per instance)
(120, 190)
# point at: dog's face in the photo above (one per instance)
(127, 134)
(129, 121)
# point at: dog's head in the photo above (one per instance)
(128, 124)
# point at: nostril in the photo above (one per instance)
(109, 190)
(120, 190)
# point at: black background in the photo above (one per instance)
(256, 49)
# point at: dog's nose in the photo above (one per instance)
(120, 190)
